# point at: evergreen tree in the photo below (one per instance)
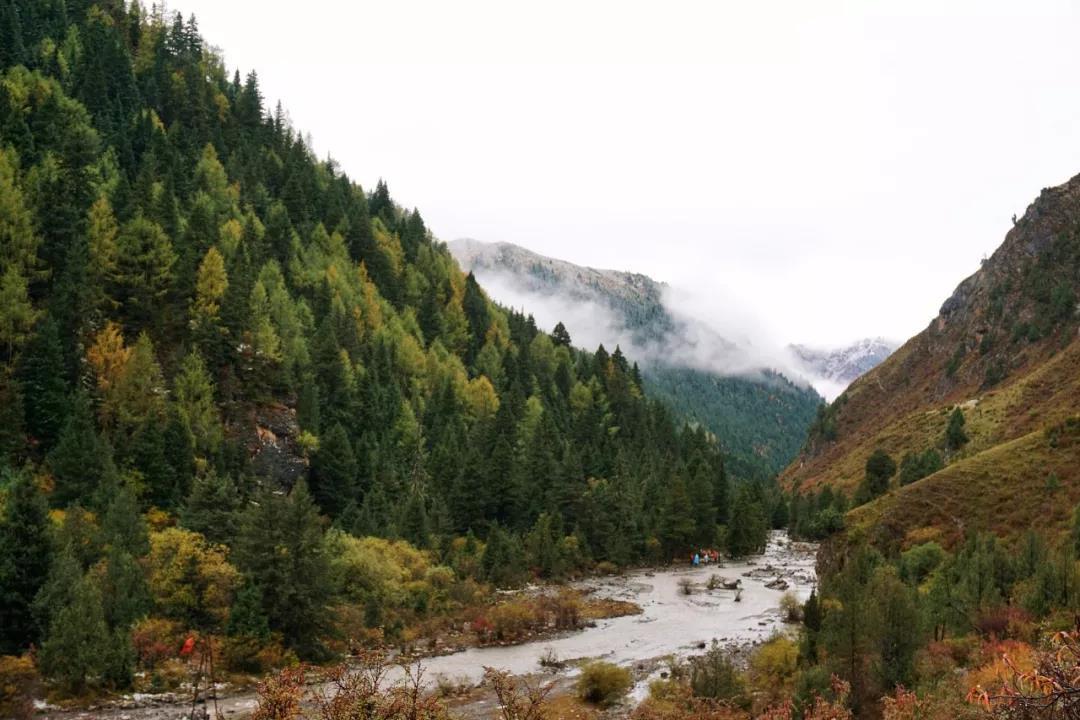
(897, 623)
(955, 436)
(12, 434)
(560, 335)
(126, 597)
(678, 527)
(122, 527)
(879, 469)
(334, 471)
(78, 640)
(81, 462)
(24, 560)
(210, 285)
(415, 526)
(102, 262)
(280, 544)
(543, 549)
(246, 617)
(17, 313)
(211, 508)
(748, 530)
(501, 561)
(144, 261)
(43, 378)
(195, 403)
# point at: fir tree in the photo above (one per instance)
(81, 462)
(211, 508)
(42, 375)
(78, 640)
(748, 530)
(280, 544)
(955, 437)
(334, 471)
(24, 560)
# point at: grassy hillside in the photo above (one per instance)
(1005, 351)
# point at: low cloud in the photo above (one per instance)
(730, 343)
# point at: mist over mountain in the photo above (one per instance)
(831, 370)
(749, 393)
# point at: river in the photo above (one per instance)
(671, 623)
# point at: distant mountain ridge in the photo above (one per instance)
(760, 416)
(836, 368)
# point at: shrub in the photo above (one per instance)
(511, 620)
(917, 563)
(603, 683)
(713, 675)
(686, 586)
(791, 608)
(563, 609)
(256, 656)
(518, 697)
(774, 663)
(607, 568)
(18, 683)
(156, 640)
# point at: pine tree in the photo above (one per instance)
(415, 526)
(211, 508)
(700, 490)
(19, 238)
(955, 437)
(82, 461)
(24, 560)
(17, 314)
(12, 433)
(280, 544)
(560, 335)
(210, 285)
(246, 618)
(543, 549)
(78, 640)
(102, 262)
(194, 393)
(748, 529)
(42, 375)
(334, 471)
(122, 527)
(678, 528)
(896, 619)
(144, 261)
(126, 597)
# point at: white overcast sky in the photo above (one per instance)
(821, 170)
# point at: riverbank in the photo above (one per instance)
(672, 625)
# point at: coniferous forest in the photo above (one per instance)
(258, 431)
(245, 397)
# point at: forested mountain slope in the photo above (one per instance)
(759, 416)
(979, 411)
(226, 371)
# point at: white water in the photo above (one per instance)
(671, 623)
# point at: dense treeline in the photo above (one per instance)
(762, 420)
(176, 267)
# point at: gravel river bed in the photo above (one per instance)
(671, 624)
